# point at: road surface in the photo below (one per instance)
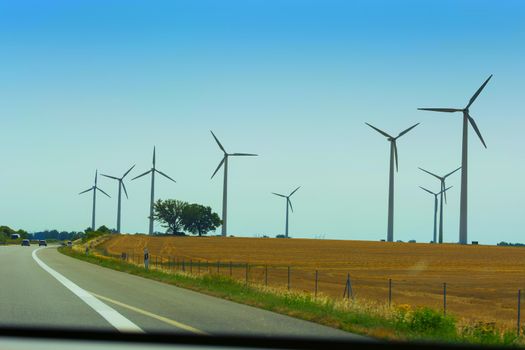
(44, 288)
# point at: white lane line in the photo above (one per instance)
(109, 314)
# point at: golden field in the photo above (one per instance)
(482, 281)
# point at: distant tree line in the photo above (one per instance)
(54, 234)
(6, 232)
(179, 217)
(505, 244)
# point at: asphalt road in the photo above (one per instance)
(43, 288)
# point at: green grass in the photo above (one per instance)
(379, 321)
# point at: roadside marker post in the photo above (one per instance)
(146, 259)
(266, 275)
(230, 268)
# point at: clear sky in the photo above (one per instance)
(88, 85)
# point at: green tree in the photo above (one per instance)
(169, 213)
(198, 219)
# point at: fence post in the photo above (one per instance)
(444, 299)
(288, 277)
(316, 281)
(266, 275)
(519, 310)
(348, 288)
(246, 281)
(389, 292)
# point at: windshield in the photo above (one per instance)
(311, 169)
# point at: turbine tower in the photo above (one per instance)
(120, 187)
(393, 158)
(436, 208)
(464, 154)
(94, 188)
(442, 180)
(225, 185)
(288, 204)
(153, 170)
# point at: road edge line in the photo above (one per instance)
(113, 317)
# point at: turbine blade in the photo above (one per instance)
(244, 154)
(103, 192)
(90, 189)
(96, 176)
(475, 96)
(166, 176)
(219, 166)
(294, 191)
(395, 153)
(473, 123)
(407, 130)
(146, 173)
(448, 110)
(127, 172)
(452, 172)
(217, 140)
(428, 172)
(280, 195)
(443, 189)
(124, 187)
(154, 156)
(429, 191)
(111, 177)
(290, 204)
(379, 131)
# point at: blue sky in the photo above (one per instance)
(91, 85)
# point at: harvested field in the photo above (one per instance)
(482, 281)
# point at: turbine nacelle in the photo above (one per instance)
(465, 110)
(226, 154)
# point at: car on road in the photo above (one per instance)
(42, 242)
(25, 242)
(69, 244)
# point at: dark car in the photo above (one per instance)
(42, 242)
(26, 243)
(69, 243)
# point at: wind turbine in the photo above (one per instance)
(225, 185)
(393, 158)
(153, 170)
(120, 187)
(94, 188)
(464, 154)
(436, 208)
(288, 204)
(442, 180)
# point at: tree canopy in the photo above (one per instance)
(169, 213)
(178, 216)
(198, 219)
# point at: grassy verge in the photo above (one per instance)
(376, 320)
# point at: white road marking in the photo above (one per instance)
(109, 314)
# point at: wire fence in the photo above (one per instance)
(453, 299)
